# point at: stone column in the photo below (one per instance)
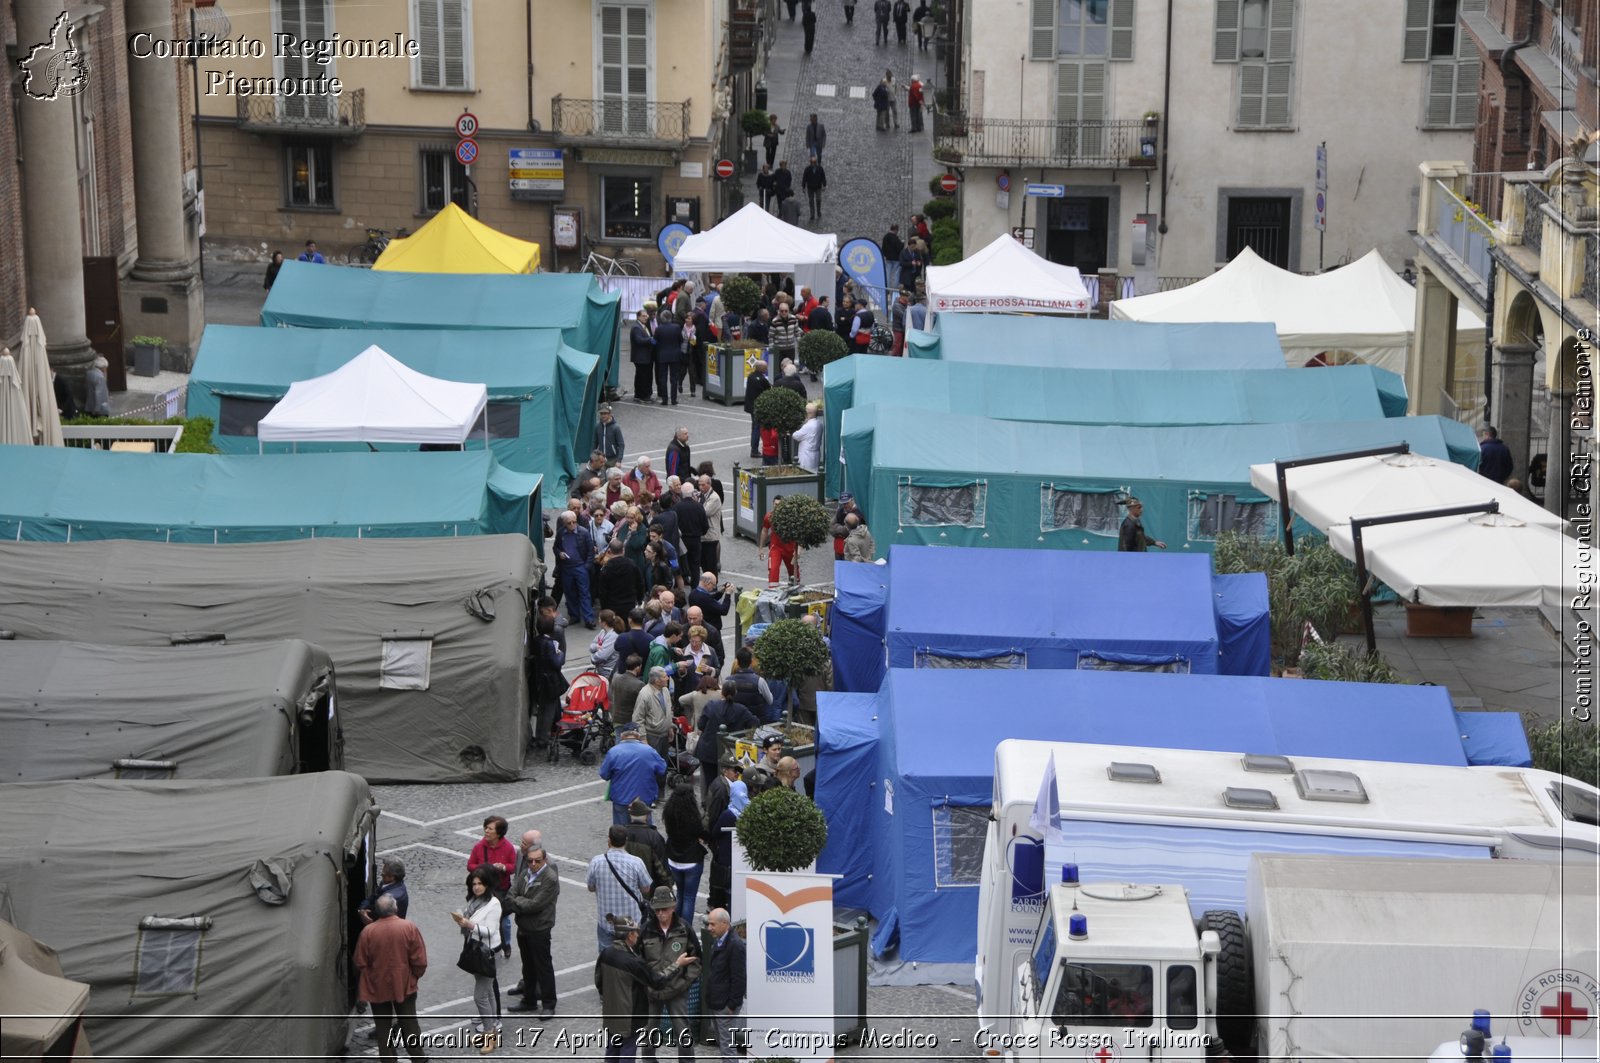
(161, 296)
(1559, 474)
(52, 225)
(1511, 409)
(1433, 342)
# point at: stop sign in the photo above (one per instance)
(724, 168)
(948, 182)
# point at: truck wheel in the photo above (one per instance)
(1236, 1002)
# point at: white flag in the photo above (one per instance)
(1046, 817)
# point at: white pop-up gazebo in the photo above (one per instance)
(752, 241)
(1363, 309)
(1003, 278)
(374, 399)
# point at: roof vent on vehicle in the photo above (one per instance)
(1129, 771)
(1246, 797)
(1320, 784)
(1268, 762)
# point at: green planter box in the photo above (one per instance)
(731, 741)
(726, 370)
(756, 490)
(849, 980)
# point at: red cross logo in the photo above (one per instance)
(1104, 1053)
(1565, 1013)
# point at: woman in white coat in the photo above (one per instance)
(808, 439)
(480, 919)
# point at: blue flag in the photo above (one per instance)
(862, 261)
(670, 238)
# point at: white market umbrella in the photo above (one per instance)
(34, 364)
(16, 427)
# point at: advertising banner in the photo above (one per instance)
(789, 973)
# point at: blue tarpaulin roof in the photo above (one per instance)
(1132, 397)
(856, 625)
(67, 494)
(1051, 607)
(1495, 738)
(1244, 624)
(938, 731)
(1090, 343)
(553, 386)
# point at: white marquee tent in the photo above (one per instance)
(1006, 277)
(374, 399)
(1364, 309)
(752, 241)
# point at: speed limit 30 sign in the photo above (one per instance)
(466, 125)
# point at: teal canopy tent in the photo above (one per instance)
(55, 494)
(537, 385)
(1105, 396)
(1089, 343)
(953, 480)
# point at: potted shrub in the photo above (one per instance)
(792, 652)
(147, 351)
(753, 123)
(758, 487)
(819, 347)
(939, 207)
(1315, 585)
(730, 362)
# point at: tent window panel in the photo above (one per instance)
(928, 659)
(505, 420)
(1092, 662)
(1211, 515)
(1090, 511)
(406, 664)
(239, 417)
(934, 506)
(168, 962)
(958, 839)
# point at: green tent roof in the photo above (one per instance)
(1090, 343)
(65, 494)
(555, 385)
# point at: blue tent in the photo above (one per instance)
(1152, 398)
(1244, 624)
(855, 623)
(935, 774)
(847, 742)
(538, 386)
(67, 494)
(1495, 738)
(948, 479)
(1049, 609)
(316, 296)
(1089, 343)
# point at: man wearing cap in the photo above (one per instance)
(645, 842)
(662, 940)
(1132, 538)
(532, 899)
(624, 980)
(620, 883)
(634, 770)
(608, 436)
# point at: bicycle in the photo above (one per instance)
(603, 266)
(367, 252)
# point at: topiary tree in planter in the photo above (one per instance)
(741, 295)
(782, 831)
(752, 123)
(780, 408)
(792, 652)
(1316, 585)
(819, 347)
(939, 207)
(801, 519)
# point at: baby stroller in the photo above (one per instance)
(584, 726)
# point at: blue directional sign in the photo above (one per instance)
(1047, 191)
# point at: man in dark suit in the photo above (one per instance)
(716, 715)
(714, 602)
(754, 387)
(693, 525)
(725, 983)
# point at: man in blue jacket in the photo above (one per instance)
(574, 550)
(634, 770)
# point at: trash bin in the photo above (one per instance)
(761, 95)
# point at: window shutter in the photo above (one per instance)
(1252, 94)
(1419, 22)
(452, 43)
(429, 62)
(1092, 110)
(1280, 31)
(1225, 39)
(638, 51)
(611, 51)
(1466, 94)
(1122, 30)
(1441, 92)
(1068, 76)
(1465, 49)
(1276, 111)
(1042, 32)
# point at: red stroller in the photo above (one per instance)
(584, 726)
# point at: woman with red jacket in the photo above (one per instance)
(498, 858)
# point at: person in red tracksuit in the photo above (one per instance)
(780, 551)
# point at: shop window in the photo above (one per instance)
(627, 208)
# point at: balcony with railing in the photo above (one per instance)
(620, 121)
(1464, 233)
(960, 139)
(344, 115)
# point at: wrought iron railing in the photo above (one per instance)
(961, 139)
(1591, 269)
(621, 118)
(1460, 228)
(1533, 199)
(340, 115)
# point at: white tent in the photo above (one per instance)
(1486, 560)
(1364, 309)
(752, 241)
(1006, 277)
(1330, 494)
(374, 399)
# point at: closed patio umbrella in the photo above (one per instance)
(34, 364)
(15, 424)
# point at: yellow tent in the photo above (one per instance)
(454, 241)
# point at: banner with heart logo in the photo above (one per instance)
(789, 1001)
